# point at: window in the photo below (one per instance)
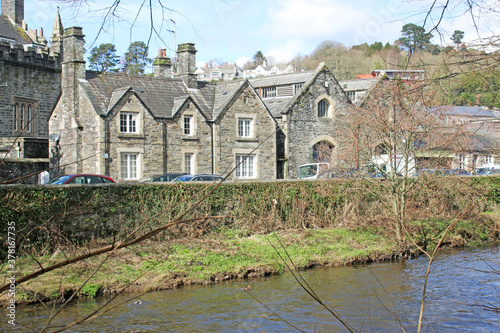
(23, 117)
(297, 87)
(128, 122)
(128, 164)
(462, 162)
(188, 163)
(247, 167)
(488, 160)
(268, 92)
(323, 108)
(215, 73)
(351, 95)
(188, 125)
(245, 128)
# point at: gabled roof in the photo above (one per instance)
(158, 95)
(224, 93)
(10, 31)
(321, 67)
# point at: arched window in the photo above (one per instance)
(24, 117)
(323, 106)
(322, 152)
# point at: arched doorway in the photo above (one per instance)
(322, 151)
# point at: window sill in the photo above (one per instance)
(130, 136)
(190, 137)
(247, 139)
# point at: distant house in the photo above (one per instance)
(225, 73)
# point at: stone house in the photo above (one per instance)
(30, 78)
(131, 127)
(307, 106)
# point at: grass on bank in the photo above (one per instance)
(231, 253)
(223, 255)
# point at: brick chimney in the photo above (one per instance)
(162, 65)
(186, 64)
(14, 9)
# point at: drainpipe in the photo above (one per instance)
(107, 144)
(165, 146)
(211, 124)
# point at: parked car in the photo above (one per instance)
(314, 171)
(207, 178)
(83, 179)
(184, 178)
(163, 178)
(198, 178)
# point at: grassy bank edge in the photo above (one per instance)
(233, 254)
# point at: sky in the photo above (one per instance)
(234, 30)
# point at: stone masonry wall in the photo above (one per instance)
(228, 144)
(304, 128)
(32, 76)
(198, 144)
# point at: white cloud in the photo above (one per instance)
(313, 18)
(241, 61)
(285, 51)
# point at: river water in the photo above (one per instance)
(379, 297)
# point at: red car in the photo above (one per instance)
(81, 179)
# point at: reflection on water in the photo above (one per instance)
(370, 297)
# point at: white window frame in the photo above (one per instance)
(269, 92)
(189, 166)
(245, 127)
(129, 122)
(189, 129)
(462, 161)
(297, 87)
(246, 166)
(129, 166)
(488, 159)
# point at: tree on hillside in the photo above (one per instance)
(103, 58)
(457, 37)
(259, 59)
(414, 37)
(136, 58)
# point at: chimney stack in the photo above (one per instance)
(14, 9)
(186, 64)
(162, 65)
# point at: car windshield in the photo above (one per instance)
(59, 180)
(307, 171)
(182, 178)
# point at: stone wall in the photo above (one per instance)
(33, 76)
(16, 168)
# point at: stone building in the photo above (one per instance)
(131, 127)
(30, 78)
(307, 106)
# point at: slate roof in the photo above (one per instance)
(468, 111)
(10, 31)
(358, 85)
(158, 95)
(281, 79)
(276, 105)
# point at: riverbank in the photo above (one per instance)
(229, 254)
